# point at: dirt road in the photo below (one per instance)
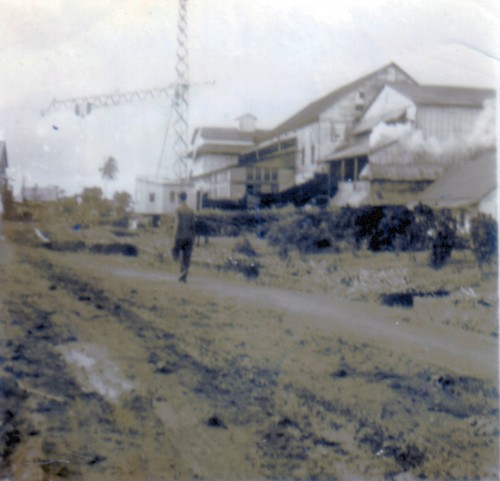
(444, 346)
(114, 371)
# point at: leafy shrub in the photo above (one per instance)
(308, 232)
(484, 238)
(443, 239)
(382, 227)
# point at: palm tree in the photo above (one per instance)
(109, 170)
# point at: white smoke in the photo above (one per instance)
(384, 134)
(434, 150)
(483, 134)
(421, 149)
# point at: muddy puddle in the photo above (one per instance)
(95, 371)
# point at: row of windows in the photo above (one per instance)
(262, 173)
(220, 176)
(262, 189)
(312, 155)
(152, 197)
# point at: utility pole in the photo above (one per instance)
(181, 100)
(177, 93)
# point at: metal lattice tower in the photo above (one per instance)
(181, 101)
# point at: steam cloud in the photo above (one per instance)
(434, 151)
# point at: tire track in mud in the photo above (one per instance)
(245, 394)
(233, 385)
(42, 396)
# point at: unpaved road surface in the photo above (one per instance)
(111, 370)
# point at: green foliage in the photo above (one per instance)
(484, 235)
(308, 232)
(109, 169)
(92, 208)
(444, 236)
(92, 196)
(122, 203)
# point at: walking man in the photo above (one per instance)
(184, 235)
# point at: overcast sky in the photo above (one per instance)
(269, 58)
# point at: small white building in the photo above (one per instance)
(157, 196)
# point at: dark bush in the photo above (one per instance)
(393, 231)
(308, 232)
(70, 246)
(128, 250)
(443, 240)
(484, 238)
(380, 228)
(233, 224)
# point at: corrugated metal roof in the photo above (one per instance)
(444, 95)
(358, 149)
(464, 184)
(311, 112)
(367, 124)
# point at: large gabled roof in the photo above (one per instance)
(464, 184)
(444, 95)
(311, 112)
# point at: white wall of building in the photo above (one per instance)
(156, 197)
(389, 100)
(207, 163)
(446, 122)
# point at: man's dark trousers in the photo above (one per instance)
(184, 247)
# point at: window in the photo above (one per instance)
(313, 153)
(258, 174)
(172, 197)
(360, 100)
(267, 174)
(249, 173)
(274, 174)
(303, 156)
(151, 197)
(333, 131)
